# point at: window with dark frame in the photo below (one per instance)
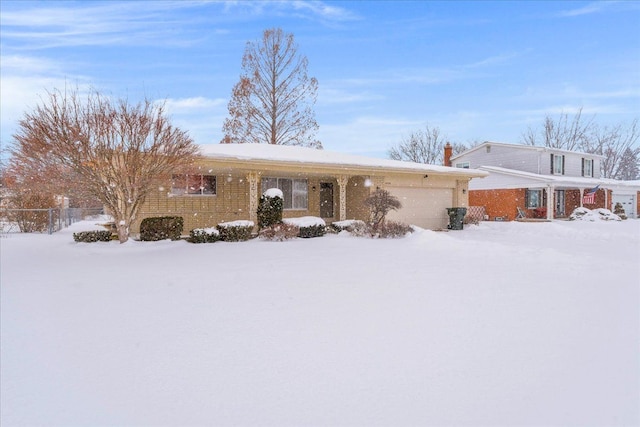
(533, 199)
(587, 167)
(557, 164)
(294, 191)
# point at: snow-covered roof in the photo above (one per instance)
(282, 154)
(563, 180)
(525, 147)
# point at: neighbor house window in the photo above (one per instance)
(463, 165)
(534, 198)
(193, 185)
(557, 164)
(587, 167)
(294, 191)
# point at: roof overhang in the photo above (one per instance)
(560, 181)
(267, 156)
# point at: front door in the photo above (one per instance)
(559, 199)
(326, 200)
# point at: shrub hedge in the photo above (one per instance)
(269, 211)
(313, 231)
(92, 236)
(161, 228)
(235, 231)
(204, 235)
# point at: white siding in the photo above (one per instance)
(526, 159)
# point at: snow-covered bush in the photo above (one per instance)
(279, 232)
(584, 214)
(270, 207)
(619, 210)
(161, 228)
(92, 236)
(235, 231)
(310, 226)
(204, 235)
(354, 226)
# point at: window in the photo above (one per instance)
(193, 185)
(295, 191)
(557, 164)
(587, 167)
(463, 165)
(533, 198)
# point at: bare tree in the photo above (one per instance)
(273, 101)
(423, 146)
(115, 150)
(617, 144)
(380, 203)
(564, 133)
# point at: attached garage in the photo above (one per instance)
(424, 207)
(628, 202)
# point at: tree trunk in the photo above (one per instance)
(123, 230)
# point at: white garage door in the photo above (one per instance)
(424, 207)
(628, 203)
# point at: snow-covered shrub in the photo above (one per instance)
(310, 226)
(161, 228)
(584, 214)
(235, 231)
(92, 236)
(279, 232)
(204, 235)
(619, 210)
(270, 208)
(354, 226)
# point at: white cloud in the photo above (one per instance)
(187, 105)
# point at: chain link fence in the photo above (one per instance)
(42, 220)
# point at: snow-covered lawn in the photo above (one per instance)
(501, 324)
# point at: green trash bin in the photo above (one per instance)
(456, 218)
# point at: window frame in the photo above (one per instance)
(208, 185)
(463, 165)
(538, 198)
(587, 171)
(557, 164)
(294, 190)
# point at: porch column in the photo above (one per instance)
(581, 196)
(342, 191)
(253, 196)
(551, 204)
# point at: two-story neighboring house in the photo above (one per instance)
(540, 181)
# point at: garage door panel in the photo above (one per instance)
(424, 207)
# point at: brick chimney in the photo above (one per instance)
(448, 152)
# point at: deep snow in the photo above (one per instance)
(501, 324)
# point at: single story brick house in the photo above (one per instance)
(227, 181)
(543, 182)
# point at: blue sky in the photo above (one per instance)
(477, 70)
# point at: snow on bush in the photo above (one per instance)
(310, 226)
(238, 223)
(235, 231)
(273, 192)
(204, 235)
(305, 221)
(584, 214)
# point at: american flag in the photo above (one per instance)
(589, 197)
